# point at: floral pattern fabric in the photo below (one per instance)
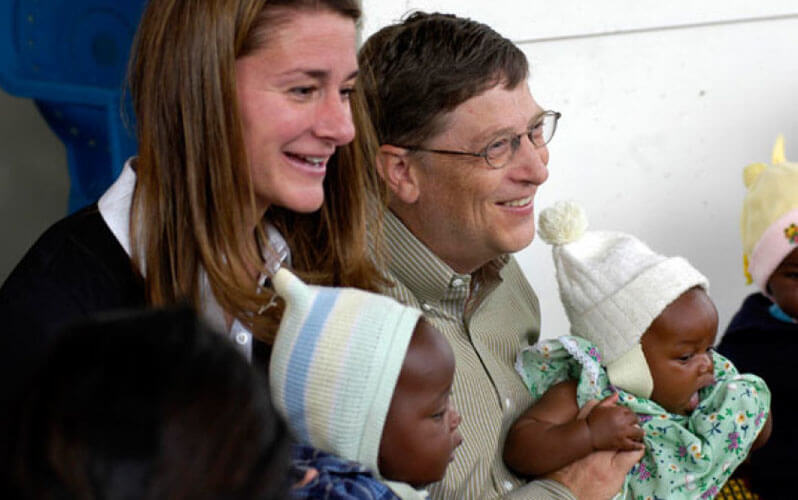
(687, 457)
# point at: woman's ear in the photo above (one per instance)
(398, 171)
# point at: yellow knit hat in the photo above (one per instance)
(769, 219)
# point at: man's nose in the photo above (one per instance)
(530, 162)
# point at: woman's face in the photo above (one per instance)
(293, 97)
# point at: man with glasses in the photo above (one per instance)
(462, 151)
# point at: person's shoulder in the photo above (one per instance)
(73, 245)
(75, 267)
(81, 233)
(80, 230)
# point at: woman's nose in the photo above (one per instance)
(334, 120)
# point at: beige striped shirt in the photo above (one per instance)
(486, 329)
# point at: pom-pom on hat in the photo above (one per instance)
(769, 220)
(613, 286)
(335, 363)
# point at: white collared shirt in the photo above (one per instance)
(114, 206)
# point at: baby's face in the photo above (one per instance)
(420, 433)
(783, 284)
(678, 347)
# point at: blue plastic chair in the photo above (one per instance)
(70, 56)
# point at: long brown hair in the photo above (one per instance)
(193, 193)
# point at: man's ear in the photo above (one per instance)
(396, 170)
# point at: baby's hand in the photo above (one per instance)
(614, 427)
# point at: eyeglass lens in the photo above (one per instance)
(501, 151)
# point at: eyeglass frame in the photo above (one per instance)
(515, 143)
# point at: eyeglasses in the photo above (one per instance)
(501, 150)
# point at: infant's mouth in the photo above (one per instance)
(694, 400)
(692, 404)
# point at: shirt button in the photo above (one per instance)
(242, 338)
(457, 282)
(508, 486)
(426, 306)
(508, 403)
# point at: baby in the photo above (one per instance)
(364, 383)
(644, 327)
(763, 335)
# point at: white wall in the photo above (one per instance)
(663, 105)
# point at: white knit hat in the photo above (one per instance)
(335, 363)
(613, 286)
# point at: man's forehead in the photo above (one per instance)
(491, 113)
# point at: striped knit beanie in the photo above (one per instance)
(335, 363)
(613, 286)
(769, 220)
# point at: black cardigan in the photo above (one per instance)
(76, 269)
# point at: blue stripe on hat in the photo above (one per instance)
(301, 357)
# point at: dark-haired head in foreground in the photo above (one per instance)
(148, 405)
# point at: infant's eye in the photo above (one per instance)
(685, 357)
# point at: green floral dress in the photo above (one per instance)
(687, 457)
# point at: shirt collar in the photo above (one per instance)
(780, 315)
(417, 267)
(114, 206)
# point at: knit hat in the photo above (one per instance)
(769, 220)
(335, 363)
(613, 286)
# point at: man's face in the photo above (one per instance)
(678, 347)
(783, 284)
(468, 213)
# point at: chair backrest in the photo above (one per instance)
(70, 56)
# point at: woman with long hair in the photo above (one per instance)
(243, 118)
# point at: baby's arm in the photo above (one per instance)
(549, 435)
